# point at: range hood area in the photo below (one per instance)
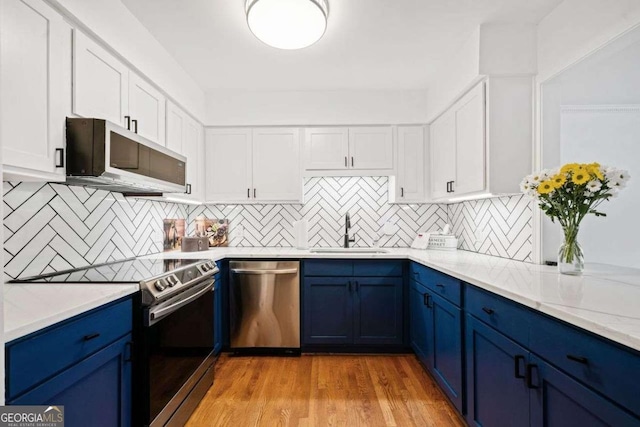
(105, 156)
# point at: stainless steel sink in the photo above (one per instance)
(348, 251)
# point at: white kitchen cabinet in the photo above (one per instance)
(253, 165)
(100, 82)
(443, 154)
(276, 165)
(105, 88)
(33, 51)
(175, 132)
(482, 145)
(228, 175)
(348, 151)
(411, 172)
(326, 148)
(193, 149)
(371, 148)
(146, 109)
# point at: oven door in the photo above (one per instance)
(178, 338)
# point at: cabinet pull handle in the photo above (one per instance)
(129, 351)
(351, 161)
(248, 193)
(91, 336)
(60, 159)
(452, 190)
(578, 359)
(488, 310)
(128, 119)
(517, 360)
(345, 162)
(440, 285)
(448, 186)
(188, 189)
(254, 193)
(530, 368)
(401, 191)
(350, 288)
(135, 125)
(357, 286)
(425, 299)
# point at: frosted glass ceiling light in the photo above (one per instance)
(287, 24)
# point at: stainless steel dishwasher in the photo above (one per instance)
(264, 307)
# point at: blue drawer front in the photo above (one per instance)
(377, 268)
(446, 286)
(601, 365)
(512, 319)
(328, 267)
(43, 354)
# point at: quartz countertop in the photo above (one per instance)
(605, 300)
(30, 307)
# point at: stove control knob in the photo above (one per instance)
(159, 285)
(211, 265)
(205, 267)
(171, 281)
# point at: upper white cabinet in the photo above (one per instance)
(146, 109)
(104, 88)
(349, 149)
(326, 148)
(228, 175)
(276, 165)
(482, 145)
(33, 51)
(184, 136)
(411, 172)
(371, 148)
(253, 165)
(176, 121)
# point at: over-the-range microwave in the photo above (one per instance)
(103, 155)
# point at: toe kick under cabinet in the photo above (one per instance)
(504, 364)
(353, 305)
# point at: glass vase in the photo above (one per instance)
(570, 255)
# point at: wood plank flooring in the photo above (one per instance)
(323, 390)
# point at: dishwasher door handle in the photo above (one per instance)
(264, 271)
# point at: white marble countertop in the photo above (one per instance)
(604, 300)
(29, 307)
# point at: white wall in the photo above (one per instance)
(251, 108)
(454, 77)
(577, 27)
(111, 21)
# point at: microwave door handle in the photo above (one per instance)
(157, 315)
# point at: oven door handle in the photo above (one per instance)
(263, 272)
(155, 316)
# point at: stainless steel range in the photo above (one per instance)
(173, 332)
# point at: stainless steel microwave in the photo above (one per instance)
(103, 155)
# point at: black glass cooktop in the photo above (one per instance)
(127, 271)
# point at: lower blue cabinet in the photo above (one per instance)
(558, 400)
(328, 317)
(436, 337)
(95, 391)
(365, 310)
(497, 392)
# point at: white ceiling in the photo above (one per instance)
(369, 44)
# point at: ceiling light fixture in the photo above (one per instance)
(287, 24)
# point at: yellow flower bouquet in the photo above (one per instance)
(569, 194)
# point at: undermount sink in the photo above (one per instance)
(348, 251)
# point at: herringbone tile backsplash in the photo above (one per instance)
(327, 200)
(52, 227)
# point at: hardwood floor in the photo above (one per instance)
(323, 390)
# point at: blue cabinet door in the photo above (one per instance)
(445, 339)
(95, 392)
(377, 310)
(558, 400)
(497, 393)
(328, 317)
(418, 318)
